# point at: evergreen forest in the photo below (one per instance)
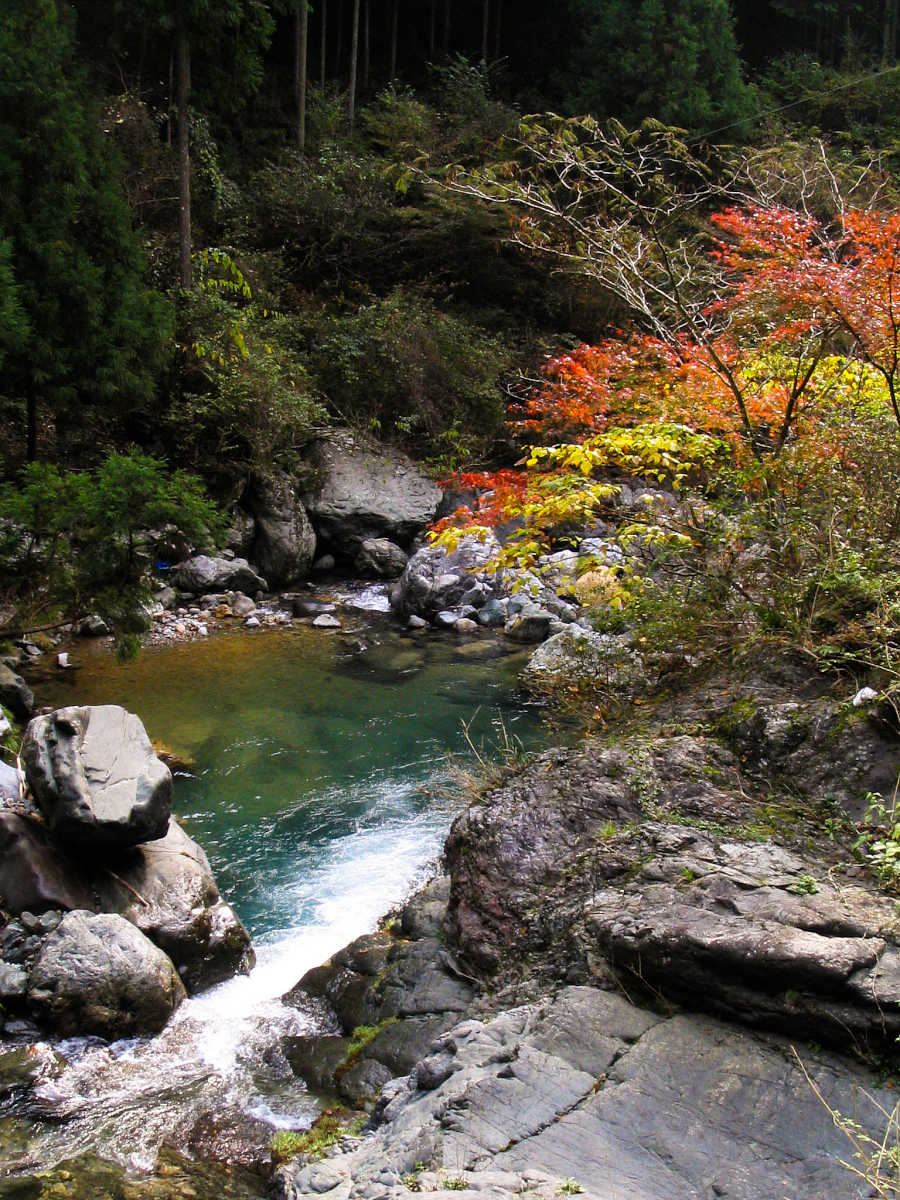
(534, 245)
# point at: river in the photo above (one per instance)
(320, 773)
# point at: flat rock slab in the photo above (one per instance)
(98, 974)
(586, 1091)
(96, 779)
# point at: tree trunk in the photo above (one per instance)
(339, 41)
(485, 26)
(171, 114)
(301, 41)
(447, 10)
(395, 21)
(432, 28)
(31, 426)
(889, 33)
(183, 91)
(497, 29)
(354, 62)
(323, 44)
(367, 44)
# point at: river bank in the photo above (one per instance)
(679, 969)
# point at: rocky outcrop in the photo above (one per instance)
(576, 654)
(827, 747)
(167, 889)
(284, 541)
(632, 865)
(436, 580)
(96, 973)
(96, 779)
(405, 990)
(100, 762)
(202, 574)
(584, 1092)
(366, 490)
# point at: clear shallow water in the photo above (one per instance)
(318, 784)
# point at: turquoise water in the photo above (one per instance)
(320, 772)
(298, 741)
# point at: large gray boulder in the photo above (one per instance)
(167, 889)
(15, 694)
(436, 580)
(285, 542)
(582, 655)
(95, 778)
(98, 974)
(202, 574)
(367, 490)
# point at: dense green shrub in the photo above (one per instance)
(246, 399)
(411, 372)
(76, 541)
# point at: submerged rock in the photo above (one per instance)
(96, 779)
(96, 973)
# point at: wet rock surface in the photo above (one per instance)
(96, 973)
(405, 989)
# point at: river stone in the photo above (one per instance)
(242, 606)
(15, 694)
(366, 490)
(204, 574)
(363, 1080)
(98, 974)
(380, 558)
(9, 782)
(167, 889)
(285, 542)
(34, 874)
(95, 778)
(435, 580)
(532, 624)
